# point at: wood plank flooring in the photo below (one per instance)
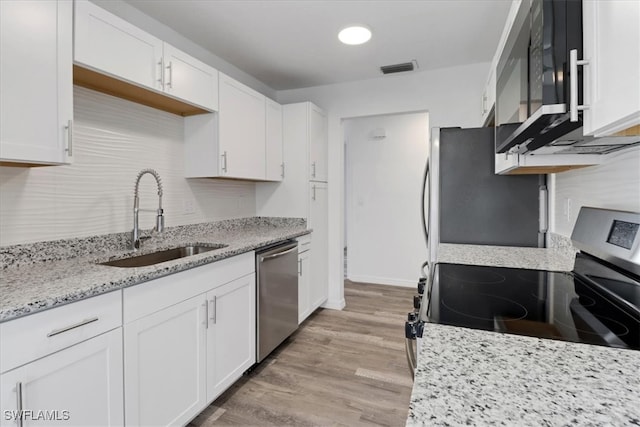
(341, 368)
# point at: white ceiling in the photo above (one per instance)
(290, 44)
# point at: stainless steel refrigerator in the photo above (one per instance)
(465, 202)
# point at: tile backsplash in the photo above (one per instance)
(113, 140)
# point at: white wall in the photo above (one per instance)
(383, 196)
(451, 95)
(612, 185)
(113, 140)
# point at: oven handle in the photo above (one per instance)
(410, 350)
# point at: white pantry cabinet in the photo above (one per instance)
(274, 146)
(231, 333)
(611, 44)
(165, 365)
(318, 144)
(107, 44)
(304, 278)
(318, 220)
(301, 195)
(36, 106)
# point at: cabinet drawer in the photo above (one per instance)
(146, 298)
(37, 335)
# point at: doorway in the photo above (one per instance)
(384, 163)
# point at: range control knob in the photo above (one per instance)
(410, 330)
(412, 316)
(416, 301)
(421, 284)
(419, 328)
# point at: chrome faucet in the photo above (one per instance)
(135, 234)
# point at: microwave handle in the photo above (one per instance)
(574, 62)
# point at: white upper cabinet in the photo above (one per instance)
(489, 95)
(106, 44)
(611, 44)
(242, 141)
(318, 144)
(111, 45)
(36, 106)
(242, 125)
(187, 78)
(274, 145)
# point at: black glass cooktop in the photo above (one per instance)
(600, 307)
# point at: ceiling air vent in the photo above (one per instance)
(399, 68)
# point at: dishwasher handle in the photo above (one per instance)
(277, 255)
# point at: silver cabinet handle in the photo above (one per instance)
(70, 327)
(573, 85)
(313, 169)
(282, 168)
(484, 103)
(224, 162)
(313, 196)
(300, 267)
(69, 128)
(206, 314)
(170, 82)
(214, 310)
(161, 74)
(19, 404)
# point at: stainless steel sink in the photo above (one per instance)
(162, 256)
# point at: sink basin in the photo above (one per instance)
(162, 256)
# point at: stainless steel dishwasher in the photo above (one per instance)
(277, 296)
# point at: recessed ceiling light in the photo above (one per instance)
(354, 35)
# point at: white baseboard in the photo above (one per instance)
(384, 281)
(334, 304)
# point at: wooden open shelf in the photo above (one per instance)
(111, 86)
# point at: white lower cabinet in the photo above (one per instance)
(187, 337)
(304, 278)
(164, 365)
(231, 343)
(319, 223)
(78, 386)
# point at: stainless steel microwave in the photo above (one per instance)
(534, 76)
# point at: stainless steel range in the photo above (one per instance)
(597, 303)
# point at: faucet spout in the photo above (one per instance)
(135, 234)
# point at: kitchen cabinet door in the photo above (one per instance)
(231, 334)
(318, 221)
(36, 82)
(611, 44)
(318, 144)
(78, 386)
(241, 131)
(304, 285)
(110, 45)
(165, 365)
(188, 79)
(274, 142)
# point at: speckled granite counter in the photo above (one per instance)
(35, 277)
(475, 377)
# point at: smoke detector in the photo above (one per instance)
(400, 68)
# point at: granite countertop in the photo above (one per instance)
(476, 377)
(35, 277)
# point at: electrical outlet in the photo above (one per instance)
(187, 207)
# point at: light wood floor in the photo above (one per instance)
(341, 368)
